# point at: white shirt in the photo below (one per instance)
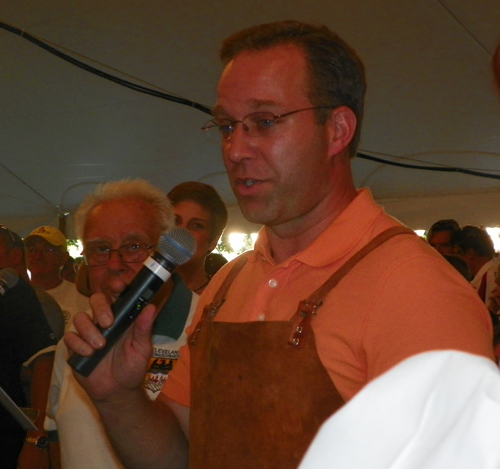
(436, 410)
(70, 300)
(489, 269)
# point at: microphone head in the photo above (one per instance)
(8, 277)
(177, 244)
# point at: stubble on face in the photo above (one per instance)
(281, 179)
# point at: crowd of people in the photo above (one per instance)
(129, 215)
(241, 364)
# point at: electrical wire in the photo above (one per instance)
(443, 169)
(103, 74)
(206, 109)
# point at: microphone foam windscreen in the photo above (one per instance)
(177, 244)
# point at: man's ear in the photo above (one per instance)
(342, 125)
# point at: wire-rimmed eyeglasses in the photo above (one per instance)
(96, 256)
(256, 124)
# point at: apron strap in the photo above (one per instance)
(223, 289)
(210, 310)
(309, 307)
(323, 290)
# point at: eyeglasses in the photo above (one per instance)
(256, 124)
(96, 256)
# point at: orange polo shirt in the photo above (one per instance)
(402, 299)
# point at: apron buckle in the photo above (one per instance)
(209, 313)
(302, 322)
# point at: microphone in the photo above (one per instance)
(175, 247)
(8, 279)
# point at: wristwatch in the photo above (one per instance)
(41, 442)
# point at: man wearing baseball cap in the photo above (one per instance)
(46, 251)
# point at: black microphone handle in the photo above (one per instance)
(126, 309)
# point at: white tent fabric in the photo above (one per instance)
(430, 100)
(433, 411)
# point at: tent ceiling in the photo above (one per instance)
(430, 100)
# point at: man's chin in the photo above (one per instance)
(256, 216)
(251, 211)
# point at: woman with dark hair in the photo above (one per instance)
(199, 208)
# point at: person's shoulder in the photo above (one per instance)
(242, 259)
(21, 293)
(226, 269)
(408, 257)
(23, 317)
(44, 296)
(406, 242)
(495, 262)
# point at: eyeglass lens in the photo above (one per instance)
(129, 253)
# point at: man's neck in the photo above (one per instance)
(48, 283)
(289, 239)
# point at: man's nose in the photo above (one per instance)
(239, 144)
(115, 261)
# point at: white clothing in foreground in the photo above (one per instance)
(432, 411)
(70, 300)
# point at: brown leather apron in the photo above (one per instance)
(259, 391)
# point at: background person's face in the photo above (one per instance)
(196, 219)
(43, 258)
(281, 178)
(113, 224)
(441, 242)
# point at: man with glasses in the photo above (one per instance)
(257, 380)
(440, 236)
(119, 225)
(47, 253)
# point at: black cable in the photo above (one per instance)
(202, 107)
(429, 168)
(102, 74)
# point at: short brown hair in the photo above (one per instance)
(448, 224)
(127, 188)
(208, 198)
(475, 238)
(337, 75)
